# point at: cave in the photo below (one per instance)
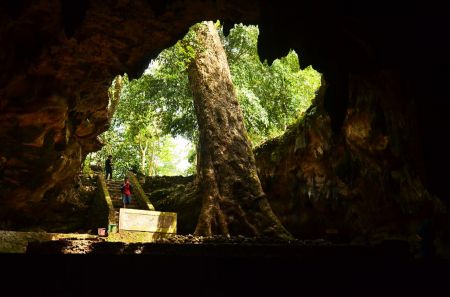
(385, 67)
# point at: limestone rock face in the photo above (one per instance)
(375, 144)
(361, 182)
(58, 60)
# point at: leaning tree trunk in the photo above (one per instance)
(227, 180)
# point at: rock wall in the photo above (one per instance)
(58, 60)
(376, 140)
(175, 194)
(362, 182)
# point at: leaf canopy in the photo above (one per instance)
(159, 105)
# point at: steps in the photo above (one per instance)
(116, 197)
(139, 220)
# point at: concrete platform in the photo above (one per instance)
(147, 220)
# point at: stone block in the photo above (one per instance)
(147, 220)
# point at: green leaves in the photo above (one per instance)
(160, 104)
(271, 97)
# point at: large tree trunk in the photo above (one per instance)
(227, 180)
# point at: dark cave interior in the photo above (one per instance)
(59, 57)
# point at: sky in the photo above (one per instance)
(181, 149)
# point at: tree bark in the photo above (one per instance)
(227, 180)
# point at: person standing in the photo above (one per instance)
(108, 167)
(126, 190)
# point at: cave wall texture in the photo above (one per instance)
(380, 123)
(58, 59)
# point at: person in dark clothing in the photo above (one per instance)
(108, 167)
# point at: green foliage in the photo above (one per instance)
(135, 139)
(192, 159)
(272, 97)
(160, 103)
(86, 168)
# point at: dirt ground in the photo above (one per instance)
(221, 267)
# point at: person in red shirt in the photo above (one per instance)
(126, 190)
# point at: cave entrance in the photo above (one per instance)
(154, 129)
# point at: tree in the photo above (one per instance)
(227, 181)
(135, 138)
(271, 97)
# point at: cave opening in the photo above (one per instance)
(154, 132)
(154, 113)
(375, 147)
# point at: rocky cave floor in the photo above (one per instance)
(186, 265)
(234, 246)
(184, 244)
